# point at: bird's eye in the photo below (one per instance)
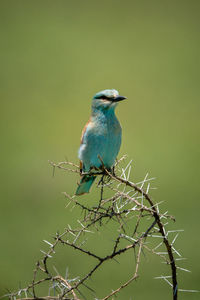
(102, 97)
(105, 97)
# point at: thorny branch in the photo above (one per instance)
(129, 205)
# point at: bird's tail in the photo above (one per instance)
(85, 184)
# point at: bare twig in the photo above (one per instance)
(130, 204)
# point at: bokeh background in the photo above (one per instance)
(55, 55)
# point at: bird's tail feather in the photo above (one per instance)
(85, 184)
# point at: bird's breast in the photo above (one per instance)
(107, 126)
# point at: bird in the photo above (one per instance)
(100, 139)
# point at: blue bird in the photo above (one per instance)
(101, 138)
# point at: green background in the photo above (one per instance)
(54, 56)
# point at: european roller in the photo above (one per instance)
(101, 138)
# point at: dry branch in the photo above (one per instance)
(129, 201)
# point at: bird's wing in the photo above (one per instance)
(89, 122)
(84, 130)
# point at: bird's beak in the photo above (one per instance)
(118, 98)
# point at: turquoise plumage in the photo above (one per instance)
(101, 137)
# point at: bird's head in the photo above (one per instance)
(107, 99)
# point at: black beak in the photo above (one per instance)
(118, 98)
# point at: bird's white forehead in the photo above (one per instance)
(114, 93)
(108, 93)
